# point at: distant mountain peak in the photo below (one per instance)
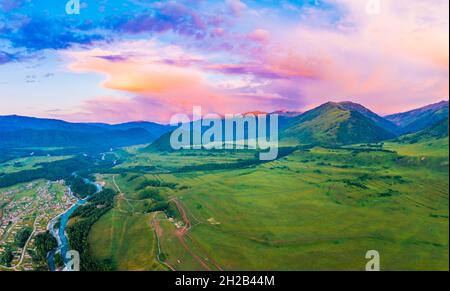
(433, 106)
(439, 104)
(350, 103)
(334, 123)
(256, 113)
(281, 112)
(287, 113)
(346, 105)
(420, 118)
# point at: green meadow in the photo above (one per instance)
(316, 209)
(126, 241)
(28, 163)
(430, 148)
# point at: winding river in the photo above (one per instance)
(60, 232)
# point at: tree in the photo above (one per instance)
(22, 236)
(7, 256)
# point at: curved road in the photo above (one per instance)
(22, 256)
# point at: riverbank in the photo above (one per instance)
(60, 234)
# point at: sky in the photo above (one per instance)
(129, 60)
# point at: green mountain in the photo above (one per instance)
(329, 124)
(155, 129)
(386, 124)
(421, 118)
(336, 124)
(162, 144)
(439, 130)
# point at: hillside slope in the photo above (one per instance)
(380, 121)
(335, 124)
(438, 130)
(421, 118)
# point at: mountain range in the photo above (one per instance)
(336, 124)
(436, 131)
(421, 118)
(19, 131)
(351, 123)
(329, 124)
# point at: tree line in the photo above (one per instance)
(78, 232)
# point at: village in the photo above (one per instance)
(30, 206)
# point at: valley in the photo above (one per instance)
(345, 182)
(319, 209)
(223, 137)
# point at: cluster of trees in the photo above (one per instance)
(352, 183)
(45, 243)
(221, 166)
(135, 169)
(20, 240)
(50, 171)
(167, 207)
(22, 236)
(57, 170)
(9, 154)
(147, 190)
(80, 186)
(7, 256)
(78, 232)
(150, 193)
(156, 183)
(239, 164)
(389, 193)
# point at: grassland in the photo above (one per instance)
(124, 237)
(166, 162)
(28, 163)
(126, 240)
(318, 209)
(431, 148)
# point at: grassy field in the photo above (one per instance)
(165, 162)
(317, 209)
(125, 240)
(321, 209)
(437, 147)
(28, 163)
(124, 236)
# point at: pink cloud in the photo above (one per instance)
(392, 61)
(161, 80)
(236, 6)
(259, 35)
